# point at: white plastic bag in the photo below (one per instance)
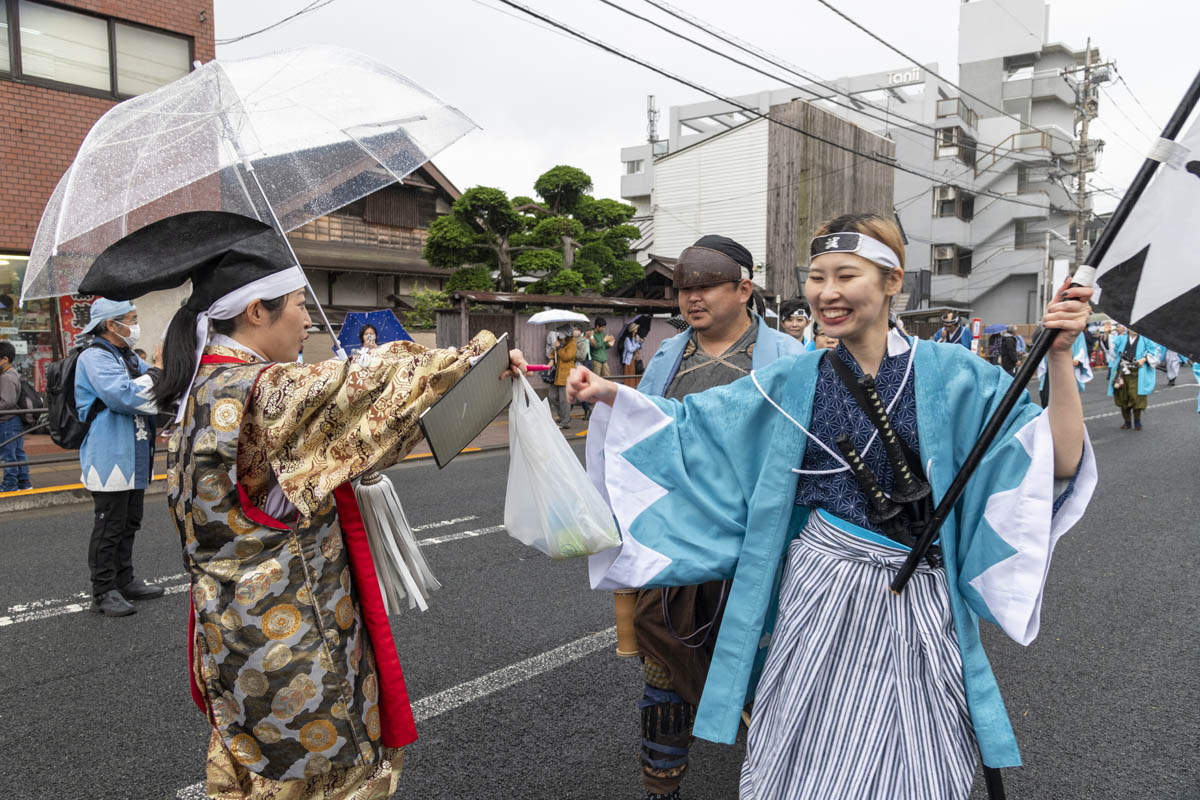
(551, 504)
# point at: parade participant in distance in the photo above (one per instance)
(1133, 375)
(745, 481)
(821, 339)
(291, 653)
(117, 455)
(953, 330)
(794, 319)
(677, 627)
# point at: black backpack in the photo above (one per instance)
(29, 398)
(66, 430)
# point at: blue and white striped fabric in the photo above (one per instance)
(862, 692)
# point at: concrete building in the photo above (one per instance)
(995, 210)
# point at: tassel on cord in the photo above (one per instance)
(401, 568)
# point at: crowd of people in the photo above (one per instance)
(786, 474)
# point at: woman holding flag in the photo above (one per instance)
(804, 483)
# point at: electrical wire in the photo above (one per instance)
(315, 5)
(728, 57)
(753, 112)
(948, 82)
(1128, 119)
(1128, 88)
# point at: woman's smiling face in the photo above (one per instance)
(849, 294)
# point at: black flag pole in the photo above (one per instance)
(1039, 348)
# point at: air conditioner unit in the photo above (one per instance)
(946, 193)
(944, 252)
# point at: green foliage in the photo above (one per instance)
(593, 275)
(562, 187)
(535, 261)
(564, 281)
(451, 242)
(598, 254)
(619, 239)
(603, 213)
(475, 278)
(489, 208)
(549, 231)
(624, 273)
(522, 200)
(425, 303)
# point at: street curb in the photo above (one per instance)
(67, 497)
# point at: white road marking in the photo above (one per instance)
(81, 601)
(1154, 405)
(454, 537)
(468, 692)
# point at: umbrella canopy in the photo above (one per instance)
(284, 138)
(639, 324)
(552, 315)
(387, 328)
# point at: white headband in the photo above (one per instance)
(276, 284)
(860, 244)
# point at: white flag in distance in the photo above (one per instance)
(1150, 275)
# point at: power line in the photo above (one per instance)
(753, 68)
(745, 47)
(1128, 119)
(1128, 88)
(315, 5)
(890, 162)
(904, 55)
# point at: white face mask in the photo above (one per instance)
(135, 332)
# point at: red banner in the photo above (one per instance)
(74, 311)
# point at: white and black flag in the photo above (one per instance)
(1150, 274)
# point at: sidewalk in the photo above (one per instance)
(58, 484)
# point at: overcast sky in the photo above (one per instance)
(542, 98)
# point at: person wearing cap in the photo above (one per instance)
(953, 330)
(752, 482)
(291, 654)
(723, 340)
(117, 455)
(794, 319)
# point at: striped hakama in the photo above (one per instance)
(862, 692)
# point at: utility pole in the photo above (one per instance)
(1087, 109)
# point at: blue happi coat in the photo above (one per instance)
(705, 490)
(117, 454)
(769, 345)
(1083, 373)
(1147, 374)
(961, 336)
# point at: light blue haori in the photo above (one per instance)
(1083, 373)
(117, 454)
(705, 490)
(769, 346)
(1147, 374)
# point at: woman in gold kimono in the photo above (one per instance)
(292, 658)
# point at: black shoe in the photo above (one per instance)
(1137, 426)
(138, 589)
(112, 604)
(1171, 382)
(1125, 427)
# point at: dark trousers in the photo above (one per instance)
(110, 553)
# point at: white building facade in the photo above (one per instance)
(983, 229)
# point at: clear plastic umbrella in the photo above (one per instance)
(284, 138)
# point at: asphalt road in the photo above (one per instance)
(512, 670)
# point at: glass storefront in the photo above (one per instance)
(28, 327)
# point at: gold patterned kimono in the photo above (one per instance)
(293, 660)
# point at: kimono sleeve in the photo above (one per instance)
(110, 381)
(678, 477)
(1013, 511)
(315, 426)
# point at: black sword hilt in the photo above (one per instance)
(908, 487)
(881, 506)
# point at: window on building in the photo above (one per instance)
(67, 48)
(955, 143)
(64, 46)
(634, 167)
(5, 64)
(951, 201)
(148, 59)
(1025, 237)
(950, 259)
